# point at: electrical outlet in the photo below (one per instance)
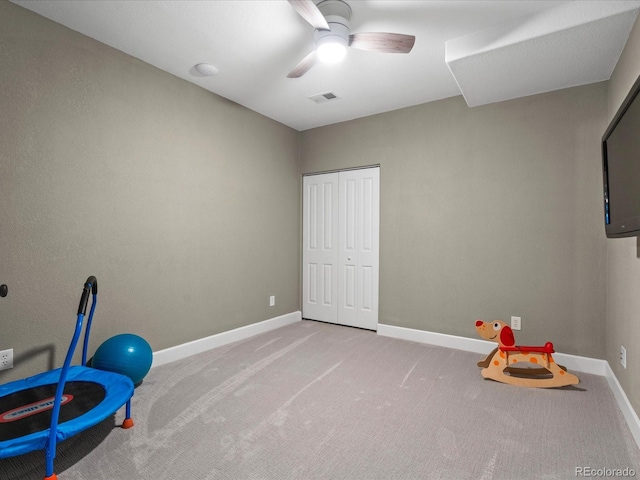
(623, 356)
(6, 359)
(516, 323)
(272, 301)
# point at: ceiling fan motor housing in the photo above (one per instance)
(339, 33)
(337, 14)
(335, 7)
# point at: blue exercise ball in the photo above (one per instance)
(127, 354)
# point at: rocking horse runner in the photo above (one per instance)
(507, 363)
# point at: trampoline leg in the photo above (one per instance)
(128, 421)
(50, 454)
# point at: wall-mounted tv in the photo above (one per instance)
(621, 169)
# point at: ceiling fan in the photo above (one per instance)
(330, 19)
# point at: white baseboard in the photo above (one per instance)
(572, 362)
(185, 350)
(439, 339)
(623, 402)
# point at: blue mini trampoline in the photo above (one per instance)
(39, 411)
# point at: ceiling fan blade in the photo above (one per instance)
(382, 42)
(310, 12)
(303, 66)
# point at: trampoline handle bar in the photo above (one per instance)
(94, 284)
(90, 285)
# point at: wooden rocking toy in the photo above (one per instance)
(519, 365)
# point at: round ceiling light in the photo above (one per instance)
(206, 69)
(331, 45)
(331, 52)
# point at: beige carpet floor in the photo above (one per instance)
(320, 401)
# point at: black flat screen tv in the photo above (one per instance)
(621, 169)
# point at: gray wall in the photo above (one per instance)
(486, 212)
(186, 206)
(183, 204)
(623, 254)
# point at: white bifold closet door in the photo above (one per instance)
(341, 219)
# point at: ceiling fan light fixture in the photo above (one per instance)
(332, 33)
(330, 50)
(331, 45)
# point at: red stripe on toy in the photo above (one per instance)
(547, 348)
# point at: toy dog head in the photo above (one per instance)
(497, 331)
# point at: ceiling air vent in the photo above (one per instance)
(324, 97)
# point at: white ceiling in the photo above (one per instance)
(488, 51)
